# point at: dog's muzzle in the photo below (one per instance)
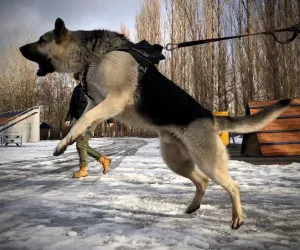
(30, 52)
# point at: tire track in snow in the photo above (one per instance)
(54, 178)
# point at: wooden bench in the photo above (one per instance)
(280, 138)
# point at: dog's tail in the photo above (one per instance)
(252, 123)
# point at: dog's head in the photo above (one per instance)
(54, 51)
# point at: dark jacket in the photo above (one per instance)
(78, 103)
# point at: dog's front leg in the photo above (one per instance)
(110, 107)
(63, 144)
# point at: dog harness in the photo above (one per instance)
(85, 86)
(143, 52)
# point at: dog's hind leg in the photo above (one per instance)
(178, 160)
(210, 155)
(221, 176)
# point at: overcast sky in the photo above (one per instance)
(38, 16)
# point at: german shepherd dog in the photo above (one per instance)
(189, 133)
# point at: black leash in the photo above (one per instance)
(295, 29)
(147, 54)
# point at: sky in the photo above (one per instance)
(38, 16)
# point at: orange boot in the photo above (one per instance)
(105, 163)
(81, 173)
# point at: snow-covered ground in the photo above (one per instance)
(139, 204)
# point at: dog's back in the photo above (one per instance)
(163, 103)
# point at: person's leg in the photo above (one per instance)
(105, 161)
(82, 146)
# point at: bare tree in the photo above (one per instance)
(147, 22)
(55, 93)
(124, 30)
(17, 77)
(222, 76)
(226, 75)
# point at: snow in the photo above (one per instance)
(139, 204)
(237, 139)
(31, 151)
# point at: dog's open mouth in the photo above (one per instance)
(45, 67)
(30, 52)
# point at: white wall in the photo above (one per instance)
(29, 128)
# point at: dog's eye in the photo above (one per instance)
(42, 40)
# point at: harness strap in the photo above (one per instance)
(144, 53)
(85, 85)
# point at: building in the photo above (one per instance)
(20, 126)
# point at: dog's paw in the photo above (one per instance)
(236, 223)
(192, 208)
(60, 149)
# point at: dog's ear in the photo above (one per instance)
(60, 30)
